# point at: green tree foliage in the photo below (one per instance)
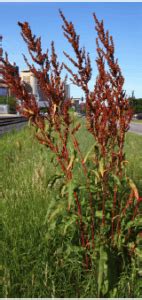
(136, 105)
(11, 101)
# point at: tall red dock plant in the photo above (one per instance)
(106, 204)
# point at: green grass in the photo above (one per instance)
(30, 266)
(133, 146)
(137, 121)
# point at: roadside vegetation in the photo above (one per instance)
(137, 121)
(136, 104)
(71, 206)
(37, 259)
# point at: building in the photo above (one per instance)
(75, 104)
(6, 97)
(67, 91)
(4, 91)
(30, 81)
(31, 84)
(32, 87)
(78, 105)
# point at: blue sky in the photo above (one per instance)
(124, 21)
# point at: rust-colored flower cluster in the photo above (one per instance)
(108, 112)
(57, 120)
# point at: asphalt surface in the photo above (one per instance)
(136, 128)
(11, 122)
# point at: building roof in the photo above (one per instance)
(26, 71)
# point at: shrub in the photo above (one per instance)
(11, 101)
(136, 104)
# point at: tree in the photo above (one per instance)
(10, 101)
(136, 105)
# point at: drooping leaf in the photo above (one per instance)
(101, 167)
(88, 153)
(134, 188)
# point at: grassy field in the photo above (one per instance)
(133, 146)
(26, 201)
(137, 121)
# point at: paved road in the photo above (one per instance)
(136, 128)
(10, 122)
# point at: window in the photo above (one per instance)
(3, 91)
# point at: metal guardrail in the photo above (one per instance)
(9, 123)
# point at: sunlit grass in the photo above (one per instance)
(137, 121)
(27, 269)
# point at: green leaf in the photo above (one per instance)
(56, 211)
(101, 167)
(70, 188)
(88, 153)
(99, 214)
(63, 190)
(69, 223)
(116, 180)
(129, 225)
(102, 272)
